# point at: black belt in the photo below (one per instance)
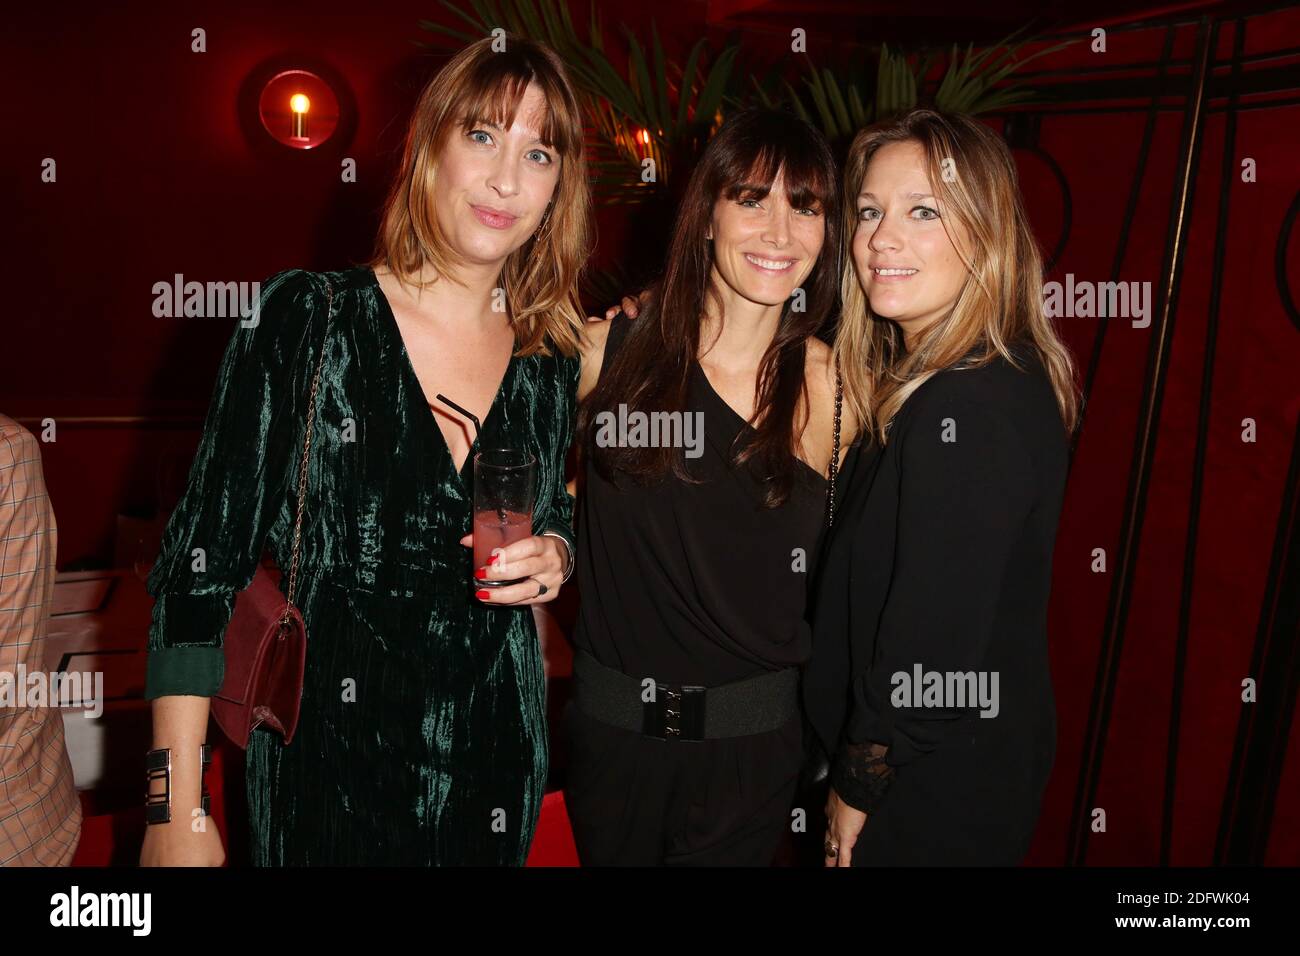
(685, 711)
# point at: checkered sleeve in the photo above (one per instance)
(40, 813)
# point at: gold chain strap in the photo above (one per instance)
(306, 452)
(835, 449)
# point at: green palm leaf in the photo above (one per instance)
(621, 109)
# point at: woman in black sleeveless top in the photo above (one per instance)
(693, 558)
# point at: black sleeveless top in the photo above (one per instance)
(695, 583)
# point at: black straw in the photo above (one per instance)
(470, 415)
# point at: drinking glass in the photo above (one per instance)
(505, 489)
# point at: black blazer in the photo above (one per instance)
(940, 559)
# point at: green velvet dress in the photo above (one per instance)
(422, 738)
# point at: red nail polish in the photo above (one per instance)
(480, 572)
(493, 560)
(482, 594)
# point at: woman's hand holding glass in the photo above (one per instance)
(541, 560)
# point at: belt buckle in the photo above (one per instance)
(676, 713)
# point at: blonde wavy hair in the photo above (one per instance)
(1001, 302)
(540, 278)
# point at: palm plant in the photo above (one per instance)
(659, 112)
(840, 105)
(664, 113)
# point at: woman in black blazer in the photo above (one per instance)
(929, 682)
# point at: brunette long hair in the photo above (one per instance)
(651, 371)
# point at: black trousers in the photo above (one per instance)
(635, 800)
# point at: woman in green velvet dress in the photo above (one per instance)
(422, 736)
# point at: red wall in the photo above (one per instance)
(1257, 354)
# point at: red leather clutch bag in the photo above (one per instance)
(266, 656)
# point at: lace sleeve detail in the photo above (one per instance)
(860, 775)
